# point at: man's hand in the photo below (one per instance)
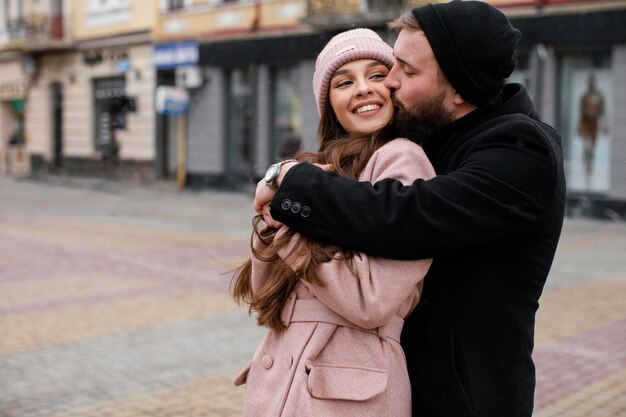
(264, 194)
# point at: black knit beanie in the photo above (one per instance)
(474, 44)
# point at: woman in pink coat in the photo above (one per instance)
(335, 317)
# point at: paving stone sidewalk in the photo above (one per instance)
(114, 302)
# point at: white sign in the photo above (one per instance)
(171, 100)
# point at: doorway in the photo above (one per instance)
(110, 94)
(57, 125)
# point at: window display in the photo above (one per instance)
(585, 121)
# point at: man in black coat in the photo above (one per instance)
(491, 218)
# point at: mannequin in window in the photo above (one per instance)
(591, 111)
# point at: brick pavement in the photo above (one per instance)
(114, 302)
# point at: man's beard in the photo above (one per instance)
(422, 121)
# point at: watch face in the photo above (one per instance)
(271, 173)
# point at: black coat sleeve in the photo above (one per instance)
(498, 186)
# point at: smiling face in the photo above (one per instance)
(358, 97)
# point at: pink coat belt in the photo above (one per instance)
(312, 310)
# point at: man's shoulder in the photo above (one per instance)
(521, 135)
(518, 112)
(516, 125)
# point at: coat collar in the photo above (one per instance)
(513, 99)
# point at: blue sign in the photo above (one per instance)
(173, 54)
(123, 65)
(175, 107)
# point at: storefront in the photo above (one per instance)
(176, 64)
(573, 70)
(256, 103)
(94, 113)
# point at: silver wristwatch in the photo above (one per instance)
(272, 173)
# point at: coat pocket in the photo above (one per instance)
(242, 376)
(334, 382)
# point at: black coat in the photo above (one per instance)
(491, 219)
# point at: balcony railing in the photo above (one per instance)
(35, 28)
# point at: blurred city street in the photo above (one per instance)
(114, 301)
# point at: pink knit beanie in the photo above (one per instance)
(347, 46)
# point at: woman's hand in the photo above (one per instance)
(267, 217)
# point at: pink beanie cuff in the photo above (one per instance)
(347, 46)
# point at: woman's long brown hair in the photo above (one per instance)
(348, 155)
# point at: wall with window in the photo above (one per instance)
(83, 110)
(224, 19)
(98, 18)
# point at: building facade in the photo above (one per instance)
(254, 62)
(257, 84)
(27, 28)
(210, 91)
(105, 87)
(88, 85)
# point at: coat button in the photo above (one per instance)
(267, 361)
(295, 207)
(286, 204)
(305, 212)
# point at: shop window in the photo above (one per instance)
(286, 103)
(584, 121)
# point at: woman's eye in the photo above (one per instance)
(379, 76)
(343, 83)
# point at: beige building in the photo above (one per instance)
(87, 86)
(105, 86)
(23, 25)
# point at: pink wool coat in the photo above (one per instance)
(340, 354)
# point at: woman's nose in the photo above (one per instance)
(363, 88)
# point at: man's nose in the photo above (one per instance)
(391, 82)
